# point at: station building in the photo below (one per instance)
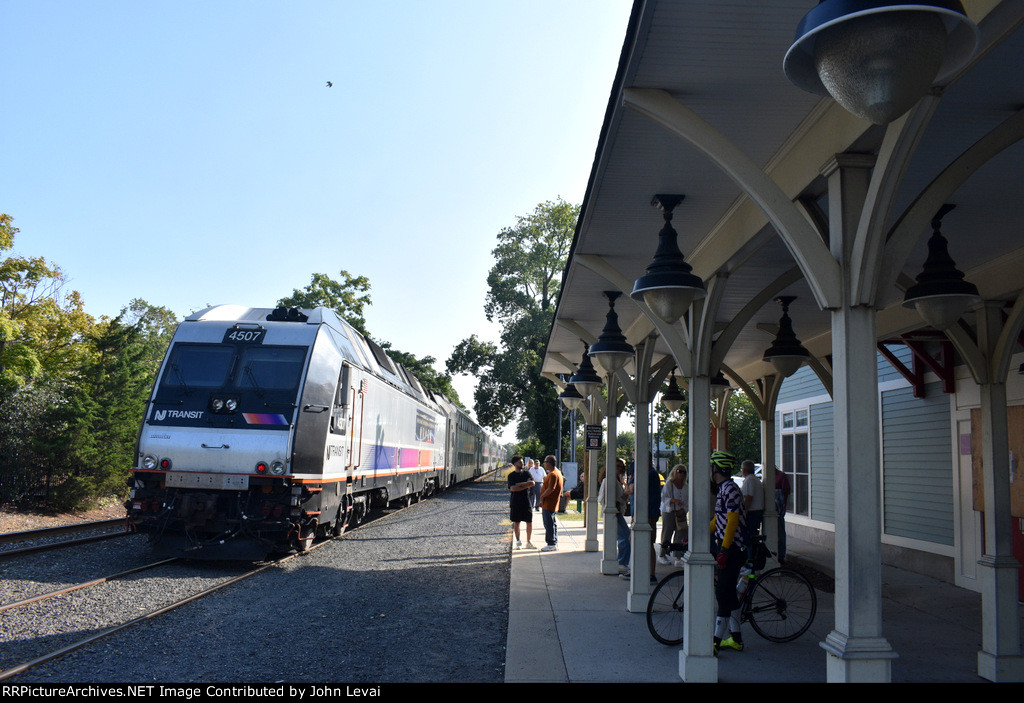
(859, 270)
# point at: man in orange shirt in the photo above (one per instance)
(550, 497)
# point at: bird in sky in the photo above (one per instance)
(329, 84)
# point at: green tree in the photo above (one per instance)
(90, 434)
(744, 428)
(424, 370)
(523, 287)
(40, 326)
(347, 297)
(625, 445)
(24, 470)
(673, 431)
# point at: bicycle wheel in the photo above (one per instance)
(665, 610)
(781, 605)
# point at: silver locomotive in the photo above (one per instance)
(269, 428)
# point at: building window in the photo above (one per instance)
(796, 460)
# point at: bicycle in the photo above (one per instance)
(780, 604)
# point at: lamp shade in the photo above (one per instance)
(673, 398)
(611, 350)
(586, 379)
(941, 295)
(668, 287)
(877, 59)
(571, 397)
(719, 385)
(786, 354)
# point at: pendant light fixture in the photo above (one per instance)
(571, 398)
(786, 353)
(611, 350)
(877, 59)
(673, 398)
(941, 295)
(586, 379)
(669, 287)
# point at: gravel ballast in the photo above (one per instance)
(420, 595)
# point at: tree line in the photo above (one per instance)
(72, 388)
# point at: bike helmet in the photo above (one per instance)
(723, 463)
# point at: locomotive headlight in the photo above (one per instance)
(231, 404)
(261, 467)
(277, 468)
(217, 404)
(149, 462)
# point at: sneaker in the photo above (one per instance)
(549, 548)
(624, 570)
(529, 545)
(624, 574)
(663, 559)
(519, 544)
(730, 643)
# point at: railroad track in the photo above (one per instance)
(21, 668)
(49, 533)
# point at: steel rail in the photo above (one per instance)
(10, 553)
(27, 535)
(86, 584)
(14, 671)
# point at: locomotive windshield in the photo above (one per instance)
(198, 366)
(271, 368)
(229, 385)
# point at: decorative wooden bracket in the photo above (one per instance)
(922, 359)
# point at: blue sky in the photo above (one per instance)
(190, 153)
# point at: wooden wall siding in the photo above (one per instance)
(803, 384)
(917, 465)
(823, 504)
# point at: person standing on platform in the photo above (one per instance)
(550, 497)
(519, 485)
(674, 505)
(728, 529)
(753, 504)
(621, 526)
(537, 474)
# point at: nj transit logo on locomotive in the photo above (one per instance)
(162, 415)
(426, 427)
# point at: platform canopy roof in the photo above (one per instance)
(722, 60)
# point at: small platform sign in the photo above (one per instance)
(594, 435)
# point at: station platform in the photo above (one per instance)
(568, 623)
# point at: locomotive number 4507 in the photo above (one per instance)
(238, 336)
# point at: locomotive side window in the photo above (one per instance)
(197, 366)
(271, 368)
(339, 415)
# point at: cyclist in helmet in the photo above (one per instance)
(728, 527)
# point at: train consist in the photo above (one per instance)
(269, 428)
